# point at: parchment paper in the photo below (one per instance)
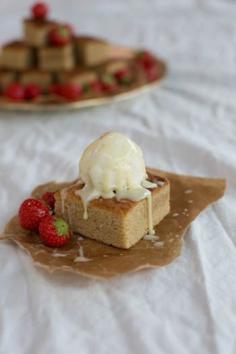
(189, 196)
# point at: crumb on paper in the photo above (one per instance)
(190, 201)
(188, 191)
(55, 254)
(81, 259)
(40, 251)
(175, 214)
(159, 244)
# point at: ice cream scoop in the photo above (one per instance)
(113, 167)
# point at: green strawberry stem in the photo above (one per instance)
(126, 79)
(108, 79)
(61, 227)
(64, 32)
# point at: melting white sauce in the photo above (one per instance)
(81, 257)
(151, 237)
(89, 193)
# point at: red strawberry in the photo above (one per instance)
(15, 92)
(96, 86)
(109, 84)
(152, 73)
(31, 213)
(71, 92)
(49, 199)
(123, 76)
(54, 232)
(32, 91)
(60, 35)
(56, 89)
(40, 10)
(146, 60)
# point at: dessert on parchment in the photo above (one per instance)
(54, 64)
(114, 201)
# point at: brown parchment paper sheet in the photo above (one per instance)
(189, 196)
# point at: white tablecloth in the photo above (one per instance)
(187, 126)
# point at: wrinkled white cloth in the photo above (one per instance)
(188, 125)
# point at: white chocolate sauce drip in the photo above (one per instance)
(81, 257)
(88, 194)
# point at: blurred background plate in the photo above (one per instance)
(53, 105)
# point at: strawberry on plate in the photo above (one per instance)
(54, 232)
(109, 84)
(49, 199)
(15, 92)
(60, 35)
(71, 92)
(152, 73)
(96, 87)
(55, 89)
(123, 76)
(32, 91)
(40, 11)
(31, 213)
(146, 59)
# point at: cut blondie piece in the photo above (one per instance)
(39, 77)
(36, 31)
(6, 78)
(56, 58)
(91, 51)
(119, 223)
(16, 55)
(81, 77)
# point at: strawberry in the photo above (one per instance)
(96, 86)
(152, 73)
(71, 92)
(70, 28)
(146, 60)
(32, 91)
(60, 35)
(55, 89)
(15, 92)
(49, 199)
(123, 76)
(40, 11)
(108, 83)
(54, 232)
(31, 213)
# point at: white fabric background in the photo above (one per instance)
(187, 126)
